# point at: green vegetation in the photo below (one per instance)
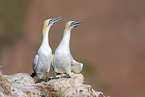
(46, 93)
(58, 94)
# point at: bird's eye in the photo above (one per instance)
(49, 22)
(71, 24)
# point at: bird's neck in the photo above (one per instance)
(45, 32)
(66, 38)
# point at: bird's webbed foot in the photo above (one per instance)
(39, 81)
(54, 77)
(67, 76)
(47, 78)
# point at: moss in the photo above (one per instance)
(58, 94)
(46, 93)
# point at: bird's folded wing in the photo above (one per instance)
(35, 61)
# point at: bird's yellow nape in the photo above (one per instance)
(66, 27)
(45, 27)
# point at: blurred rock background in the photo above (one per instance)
(110, 42)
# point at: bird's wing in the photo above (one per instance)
(35, 61)
(76, 66)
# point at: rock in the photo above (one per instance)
(22, 85)
(72, 86)
(18, 85)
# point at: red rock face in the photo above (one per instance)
(111, 41)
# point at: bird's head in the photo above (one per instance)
(71, 24)
(48, 23)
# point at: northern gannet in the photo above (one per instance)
(62, 57)
(43, 58)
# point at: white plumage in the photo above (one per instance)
(62, 58)
(76, 66)
(42, 59)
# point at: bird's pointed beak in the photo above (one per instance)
(78, 23)
(74, 24)
(52, 21)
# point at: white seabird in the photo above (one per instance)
(62, 58)
(43, 58)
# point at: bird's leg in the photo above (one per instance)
(67, 76)
(37, 79)
(47, 78)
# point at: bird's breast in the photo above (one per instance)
(45, 52)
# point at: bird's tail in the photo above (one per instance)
(33, 74)
(76, 66)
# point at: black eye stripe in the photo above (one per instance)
(74, 23)
(54, 20)
(50, 20)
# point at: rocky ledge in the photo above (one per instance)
(22, 85)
